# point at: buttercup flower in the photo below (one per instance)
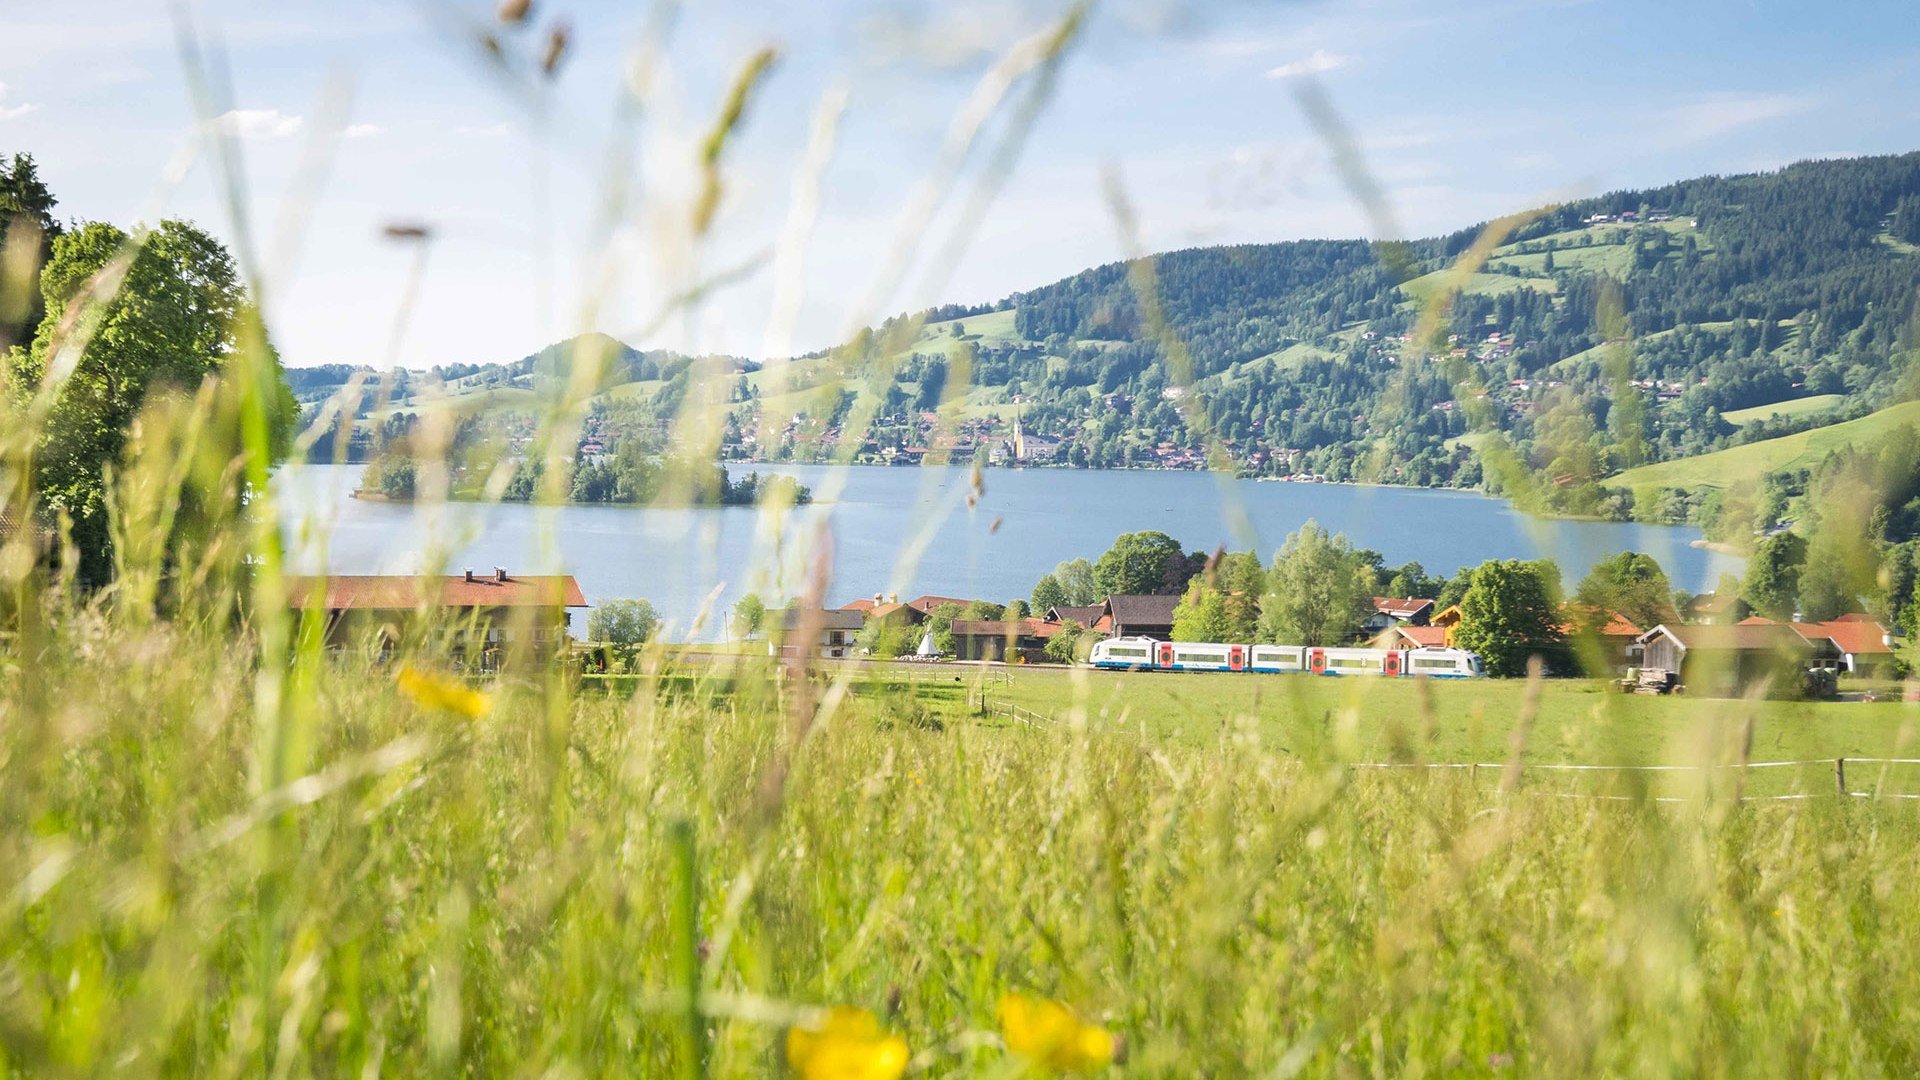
(846, 1044)
(439, 692)
(1052, 1035)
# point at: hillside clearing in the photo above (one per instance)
(1749, 463)
(1789, 409)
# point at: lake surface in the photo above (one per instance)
(910, 531)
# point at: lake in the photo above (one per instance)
(909, 531)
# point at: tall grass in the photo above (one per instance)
(226, 852)
(449, 894)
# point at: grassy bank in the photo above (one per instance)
(510, 892)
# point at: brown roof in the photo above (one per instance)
(862, 606)
(925, 604)
(1151, 610)
(1861, 638)
(397, 592)
(1084, 615)
(1039, 628)
(842, 619)
(1420, 637)
(1401, 607)
(1736, 637)
(881, 611)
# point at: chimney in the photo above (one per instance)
(499, 573)
(469, 575)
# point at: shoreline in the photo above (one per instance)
(1717, 547)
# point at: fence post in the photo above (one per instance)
(1840, 773)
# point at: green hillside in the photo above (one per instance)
(1756, 298)
(1792, 408)
(1753, 461)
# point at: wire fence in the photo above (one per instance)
(1839, 765)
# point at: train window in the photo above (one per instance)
(1132, 653)
(1358, 663)
(1431, 664)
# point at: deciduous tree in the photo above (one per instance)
(1509, 613)
(1319, 590)
(1138, 562)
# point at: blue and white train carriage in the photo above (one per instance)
(1148, 654)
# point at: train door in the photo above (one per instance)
(1317, 661)
(1393, 662)
(1166, 654)
(1236, 658)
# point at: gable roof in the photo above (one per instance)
(1401, 607)
(1446, 616)
(1084, 614)
(925, 604)
(1861, 638)
(1040, 628)
(906, 611)
(790, 619)
(1419, 637)
(400, 592)
(1142, 609)
(1857, 633)
(1734, 637)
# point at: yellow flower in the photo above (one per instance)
(434, 691)
(1052, 1035)
(846, 1044)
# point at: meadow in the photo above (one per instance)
(1751, 462)
(226, 850)
(550, 879)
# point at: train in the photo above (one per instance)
(1151, 654)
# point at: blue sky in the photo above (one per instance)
(1463, 110)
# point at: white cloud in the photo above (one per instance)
(363, 131)
(1718, 114)
(13, 112)
(1317, 62)
(257, 124)
(484, 131)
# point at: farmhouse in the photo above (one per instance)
(1716, 658)
(1411, 637)
(494, 613)
(1089, 616)
(999, 639)
(1855, 644)
(1142, 615)
(832, 632)
(1398, 611)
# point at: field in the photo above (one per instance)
(663, 882)
(1724, 468)
(1791, 409)
(1420, 288)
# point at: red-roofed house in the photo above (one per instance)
(925, 604)
(502, 611)
(1851, 643)
(1411, 637)
(1398, 611)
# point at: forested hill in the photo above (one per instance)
(1604, 334)
(1734, 293)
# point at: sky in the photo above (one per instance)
(567, 203)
